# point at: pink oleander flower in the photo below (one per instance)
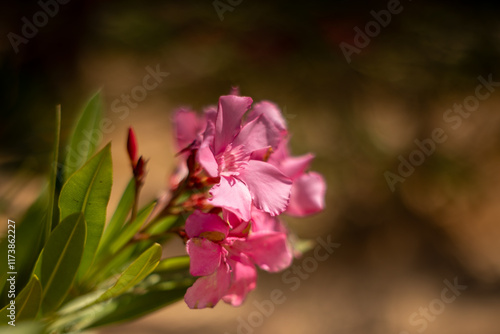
(263, 136)
(226, 259)
(233, 151)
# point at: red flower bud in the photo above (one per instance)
(132, 147)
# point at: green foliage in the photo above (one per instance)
(131, 228)
(27, 301)
(86, 136)
(52, 179)
(87, 191)
(115, 225)
(34, 228)
(74, 274)
(135, 273)
(28, 327)
(29, 231)
(61, 259)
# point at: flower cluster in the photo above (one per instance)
(236, 155)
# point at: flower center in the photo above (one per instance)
(232, 160)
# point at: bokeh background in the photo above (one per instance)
(397, 248)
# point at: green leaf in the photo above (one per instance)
(27, 301)
(33, 229)
(132, 306)
(110, 266)
(164, 224)
(112, 231)
(173, 264)
(61, 257)
(162, 287)
(130, 229)
(87, 191)
(37, 269)
(29, 231)
(135, 273)
(53, 177)
(86, 136)
(28, 327)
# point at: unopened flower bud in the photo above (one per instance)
(132, 147)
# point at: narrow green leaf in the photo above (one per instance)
(116, 223)
(86, 136)
(27, 302)
(110, 266)
(158, 289)
(37, 269)
(87, 191)
(164, 224)
(130, 229)
(29, 231)
(135, 273)
(173, 264)
(27, 327)
(34, 228)
(53, 177)
(61, 257)
(132, 306)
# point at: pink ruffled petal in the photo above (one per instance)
(229, 113)
(199, 222)
(258, 134)
(308, 195)
(294, 167)
(271, 111)
(269, 187)
(244, 278)
(188, 127)
(204, 256)
(233, 195)
(208, 290)
(269, 250)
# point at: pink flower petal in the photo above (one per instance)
(229, 113)
(199, 222)
(188, 127)
(233, 195)
(271, 111)
(308, 195)
(269, 250)
(244, 278)
(207, 160)
(263, 221)
(239, 228)
(294, 167)
(204, 256)
(257, 134)
(208, 290)
(269, 187)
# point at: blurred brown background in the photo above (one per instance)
(397, 248)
